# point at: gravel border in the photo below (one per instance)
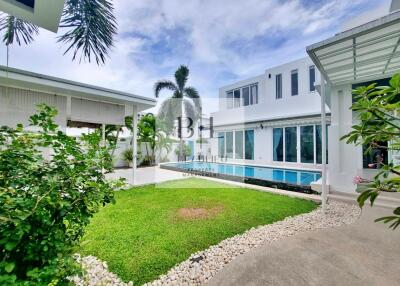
(203, 265)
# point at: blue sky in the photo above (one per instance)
(221, 41)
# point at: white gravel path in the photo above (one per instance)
(203, 265)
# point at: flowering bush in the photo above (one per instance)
(46, 201)
(378, 113)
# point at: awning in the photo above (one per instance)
(367, 52)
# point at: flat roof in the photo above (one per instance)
(33, 81)
(367, 52)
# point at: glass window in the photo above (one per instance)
(312, 78)
(295, 82)
(239, 145)
(221, 144)
(291, 144)
(278, 81)
(229, 99)
(278, 144)
(374, 157)
(246, 95)
(229, 144)
(307, 144)
(236, 96)
(249, 144)
(254, 94)
(318, 143)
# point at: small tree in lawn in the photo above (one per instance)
(378, 113)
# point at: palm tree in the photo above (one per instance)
(91, 27)
(184, 100)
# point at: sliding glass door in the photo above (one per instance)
(221, 144)
(249, 144)
(291, 144)
(229, 144)
(238, 144)
(307, 144)
(278, 144)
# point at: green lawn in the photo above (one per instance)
(152, 228)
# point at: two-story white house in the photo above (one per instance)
(273, 119)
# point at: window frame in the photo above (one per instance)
(278, 95)
(312, 87)
(294, 72)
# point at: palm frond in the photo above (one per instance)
(92, 28)
(181, 76)
(190, 110)
(169, 111)
(16, 30)
(193, 94)
(164, 84)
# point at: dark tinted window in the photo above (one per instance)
(295, 82)
(312, 78)
(278, 80)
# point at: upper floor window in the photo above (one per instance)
(254, 94)
(236, 98)
(244, 96)
(229, 99)
(312, 78)
(278, 80)
(295, 82)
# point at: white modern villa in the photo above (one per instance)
(272, 119)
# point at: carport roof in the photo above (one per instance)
(38, 82)
(367, 52)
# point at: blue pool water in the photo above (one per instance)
(297, 177)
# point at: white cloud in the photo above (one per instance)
(215, 38)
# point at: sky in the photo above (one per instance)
(221, 41)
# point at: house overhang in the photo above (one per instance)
(367, 52)
(42, 83)
(43, 13)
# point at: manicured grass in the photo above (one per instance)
(143, 236)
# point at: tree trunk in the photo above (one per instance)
(181, 137)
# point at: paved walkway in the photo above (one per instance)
(361, 254)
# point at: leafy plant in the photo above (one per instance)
(47, 200)
(127, 155)
(91, 27)
(378, 113)
(187, 150)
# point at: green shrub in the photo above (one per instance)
(46, 201)
(127, 155)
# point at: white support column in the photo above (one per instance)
(134, 142)
(103, 140)
(323, 134)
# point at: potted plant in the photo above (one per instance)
(127, 156)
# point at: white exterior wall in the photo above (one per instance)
(345, 160)
(303, 109)
(306, 103)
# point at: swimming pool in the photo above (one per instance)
(288, 179)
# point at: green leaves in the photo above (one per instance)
(377, 110)
(93, 26)
(46, 201)
(90, 24)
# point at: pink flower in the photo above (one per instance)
(371, 165)
(357, 180)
